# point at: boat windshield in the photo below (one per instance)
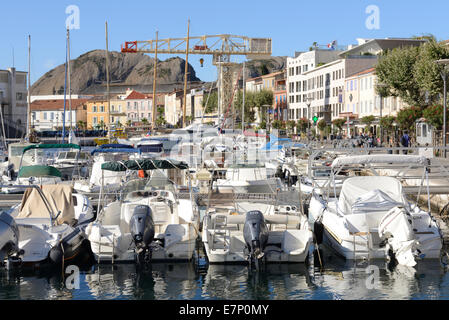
(157, 181)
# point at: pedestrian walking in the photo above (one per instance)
(405, 141)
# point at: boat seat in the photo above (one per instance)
(161, 213)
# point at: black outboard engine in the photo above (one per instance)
(9, 236)
(141, 226)
(255, 233)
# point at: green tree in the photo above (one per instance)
(427, 73)
(278, 124)
(395, 69)
(129, 123)
(367, 121)
(339, 123)
(407, 117)
(387, 123)
(290, 124)
(212, 102)
(434, 115)
(302, 125)
(144, 121)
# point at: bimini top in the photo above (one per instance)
(115, 146)
(39, 171)
(380, 158)
(115, 150)
(370, 193)
(144, 164)
(52, 146)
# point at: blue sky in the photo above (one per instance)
(293, 25)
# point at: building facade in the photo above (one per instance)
(49, 114)
(13, 102)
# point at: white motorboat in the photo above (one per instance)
(150, 148)
(255, 232)
(33, 175)
(149, 222)
(372, 218)
(248, 178)
(50, 221)
(111, 180)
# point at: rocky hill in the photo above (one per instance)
(132, 70)
(126, 69)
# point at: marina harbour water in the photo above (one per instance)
(305, 223)
(339, 279)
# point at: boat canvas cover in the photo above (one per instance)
(380, 158)
(52, 146)
(370, 194)
(39, 171)
(143, 164)
(59, 198)
(115, 150)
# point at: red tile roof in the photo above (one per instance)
(39, 105)
(135, 95)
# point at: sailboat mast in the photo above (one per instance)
(107, 80)
(28, 129)
(154, 86)
(185, 77)
(68, 78)
(65, 87)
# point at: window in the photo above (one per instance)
(112, 119)
(112, 108)
(52, 116)
(45, 115)
(94, 109)
(101, 108)
(94, 120)
(101, 119)
(352, 85)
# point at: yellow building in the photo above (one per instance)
(97, 113)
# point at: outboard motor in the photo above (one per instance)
(255, 233)
(9, 236)
(141, 226)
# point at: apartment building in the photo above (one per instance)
(13, 101)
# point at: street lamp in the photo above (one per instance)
(444, 63)
(381, 86)
(308, 103)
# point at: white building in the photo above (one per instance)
(300, 83)
(13, 101)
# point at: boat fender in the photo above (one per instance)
(318, 229)
(56, 254)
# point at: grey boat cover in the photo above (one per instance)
(370, 194)
(59, 197)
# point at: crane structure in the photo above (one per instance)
(221, 47)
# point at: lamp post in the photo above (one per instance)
(308, 103)
(268, 116)
(444, 63)
(380, 86)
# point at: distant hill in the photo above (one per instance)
(88, 74)
(132, 70)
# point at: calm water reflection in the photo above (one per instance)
(197, 281)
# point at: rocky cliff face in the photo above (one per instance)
(88, 73)
(133, 70)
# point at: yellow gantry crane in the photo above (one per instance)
(221, 47)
